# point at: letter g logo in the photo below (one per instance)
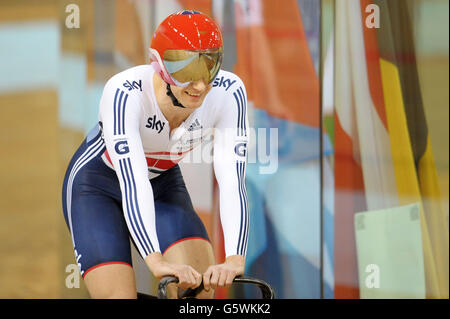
(240, 149)
(121, 147)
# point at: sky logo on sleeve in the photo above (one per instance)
(222, 82)
(133, 85)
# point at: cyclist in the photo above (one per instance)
(124, 182)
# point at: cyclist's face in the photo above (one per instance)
(193, 95)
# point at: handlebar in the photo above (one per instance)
(266, 290)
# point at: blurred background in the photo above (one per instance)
(357, 90)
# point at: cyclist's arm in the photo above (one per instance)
(230, 154)
(230, 148)
(120, 114)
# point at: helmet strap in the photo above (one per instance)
(173, 98)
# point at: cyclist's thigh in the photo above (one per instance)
(176, 220)
(182, 236)
(99, 232)
(102, 246)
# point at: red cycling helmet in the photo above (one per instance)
(187, 46)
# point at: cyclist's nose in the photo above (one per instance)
(199, 85)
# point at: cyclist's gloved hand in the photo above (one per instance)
(222, 275)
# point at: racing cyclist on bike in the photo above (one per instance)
(124, 180)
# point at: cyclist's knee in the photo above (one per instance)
(112, 293)
(111, 282)
(116, 294)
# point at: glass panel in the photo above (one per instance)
(277, 57)
(327, 164)
(391, 229)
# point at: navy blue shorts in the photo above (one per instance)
(92, 205)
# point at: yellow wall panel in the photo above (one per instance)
(29, 184)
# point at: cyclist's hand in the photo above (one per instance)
(222, 275)
(187, 276)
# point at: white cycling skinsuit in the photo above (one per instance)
(140, 145)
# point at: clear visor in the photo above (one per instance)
(186, 66)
